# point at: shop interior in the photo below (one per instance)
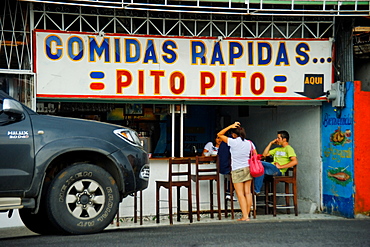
(153, 122)
(200, 123)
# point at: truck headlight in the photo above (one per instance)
(128, 135)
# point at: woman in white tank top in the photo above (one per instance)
(240, 148)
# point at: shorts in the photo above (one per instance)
(241, 175)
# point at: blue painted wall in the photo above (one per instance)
(338, 160)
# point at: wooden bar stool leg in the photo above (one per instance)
(141, 207)
(135, 207)
(254, 200)
(157, 203)
(232, 198)
(295, 199)
(287, 198)
(178, 204)
(190, 205)
(218, 198)
(211, 197)
(117, 221)
(197, 199)
(170, 204)
(274, 198)
(266, 198)
(267, 186)
(225, 200)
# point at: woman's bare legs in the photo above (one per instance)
(248, 195)
(243, 191)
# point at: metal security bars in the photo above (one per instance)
(16, 76)
(15, 47)
(232, 7)
(98, 20)
(15, 26)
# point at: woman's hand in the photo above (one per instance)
(221, 134)
(235, 125)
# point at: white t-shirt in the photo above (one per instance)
(212, 150)
(240, 151)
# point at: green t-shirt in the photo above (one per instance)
(282, 155)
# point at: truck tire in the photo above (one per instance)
(39, 222)
(83, 198)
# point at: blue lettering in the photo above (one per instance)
(336, 121)
(99, 49)
(264, 53)
(135, 45)
(150, 52)
(282, 55)
(57, 54)
(171, 55)
(75, 54)
(235, 51)
(217, 54)
(117, 48)
(302, 57)
(250, 53)
(198, 50)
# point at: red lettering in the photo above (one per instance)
(223, 83)
(181, 82)
(260, 79)
(238, 81)
(204, 85)
(157, 80)
(120, 73)
(141, 81)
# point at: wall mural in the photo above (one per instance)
(338, 166)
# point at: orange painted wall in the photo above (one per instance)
(362, 148)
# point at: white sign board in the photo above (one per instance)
(114, 66)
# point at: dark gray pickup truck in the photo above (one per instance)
(66, 176)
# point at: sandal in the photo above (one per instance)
(241, 219)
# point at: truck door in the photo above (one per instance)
(16, 153)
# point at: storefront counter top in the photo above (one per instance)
(167, 158)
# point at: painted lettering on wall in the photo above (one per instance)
(332, 120)
(80, 64)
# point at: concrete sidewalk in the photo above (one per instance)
(149, 221)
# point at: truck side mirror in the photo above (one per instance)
(13, 108)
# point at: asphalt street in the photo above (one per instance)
(296, 232)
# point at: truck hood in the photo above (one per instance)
(47, 129)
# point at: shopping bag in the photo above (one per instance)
(255, 165)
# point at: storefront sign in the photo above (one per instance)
(80, 65)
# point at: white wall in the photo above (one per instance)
(14, 221)
(159, 171)
(303, 124)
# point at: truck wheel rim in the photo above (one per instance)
(85, 199)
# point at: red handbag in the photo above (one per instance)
(255, 165)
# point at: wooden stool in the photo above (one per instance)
(207, 173)
(176, 178)
(290, 178)
(254, 207)
(135, 209)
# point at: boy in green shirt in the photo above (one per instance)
(284, 157)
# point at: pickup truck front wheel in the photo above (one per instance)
(83, 198)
